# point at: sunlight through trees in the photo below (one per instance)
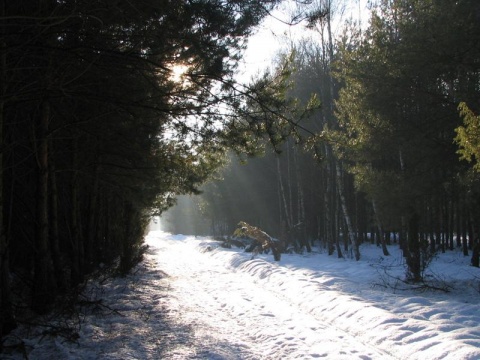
(110, 110)
(385, 166)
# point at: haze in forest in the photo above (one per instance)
(382, 158)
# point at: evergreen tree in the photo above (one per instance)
(402, 84)
(468, 137)
(99, 132)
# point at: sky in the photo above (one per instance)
(275, 34)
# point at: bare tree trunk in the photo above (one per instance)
(100, 228)
(402, 238)
(76, 271)
(338, 169)
(464, 230)
(126, 256)
(443, 227)
(380, 229)
(301, 205)
(338, 231)
(54, 233)
(329, 206)
(458, 224)
(284, 201)
(7, 320)
(431, 215)
(348, 222)
(289, 185)
(438, 226)
(451, 224)
(414, 249)
(44, 289)
(475, 243)
(92, 216)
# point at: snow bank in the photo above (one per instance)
(360, 299)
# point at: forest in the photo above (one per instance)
(109, 110)
(390, 157)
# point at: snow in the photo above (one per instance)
(191, 299)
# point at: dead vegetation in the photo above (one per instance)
(262, 242)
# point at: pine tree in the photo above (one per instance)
(468, 137)
(87, 101)
(397, 110)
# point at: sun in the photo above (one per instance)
(177, 73)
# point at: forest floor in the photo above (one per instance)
(191, 299)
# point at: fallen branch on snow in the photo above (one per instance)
(263, 241)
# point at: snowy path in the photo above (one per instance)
(234, 318)
(313, 306)
(190, 299)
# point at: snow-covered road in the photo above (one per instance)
(233, 317)
(314, 306)
(191, 299)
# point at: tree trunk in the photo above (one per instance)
(338, 231)
(464, 231)
(380, 229)
(301, 206)
(337, 165)
(76, 270)
(290, 194)
(438, 227)
(91, 227)
(285, 205)
(44, 288)
(329, 206)
(402, 238)
(431, 215)
(54, 233)
(458, 223)
(414, 249)
(348, 222)
(451, 226)
(475, 260)
(125, 254)
(7, 319)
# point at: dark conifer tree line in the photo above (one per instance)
(399, 116)
(96, 129)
